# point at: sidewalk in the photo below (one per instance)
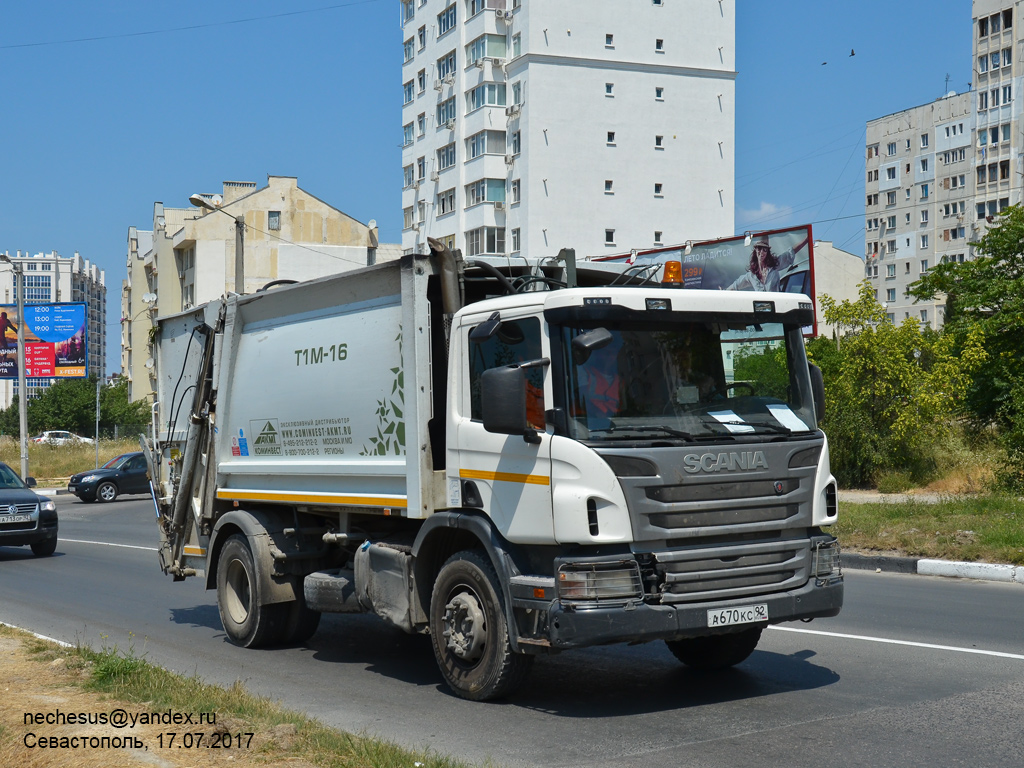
(927, 567)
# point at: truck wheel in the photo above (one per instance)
(302, 622)
(715, 651)
(469, 632)
(247, 621)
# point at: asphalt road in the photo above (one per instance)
(916, 671)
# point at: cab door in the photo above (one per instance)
(506, 476)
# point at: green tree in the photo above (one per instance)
(71, 404)
(767, 366)
(890, 391)
(985, 297)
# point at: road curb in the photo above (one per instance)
(52, 491)
(929, 567)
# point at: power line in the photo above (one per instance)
(189, 28)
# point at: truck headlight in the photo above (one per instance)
(826, 559)
(600, 581)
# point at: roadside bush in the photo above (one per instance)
(894, 482)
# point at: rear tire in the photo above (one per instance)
(469, 632)
(106, 491)
(713, 652)
(45, 548)
(247, 621)
(302, 622)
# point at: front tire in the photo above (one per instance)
(44, 548)
(469, 632)
(247, 621)
(106, 491)
(714, 652)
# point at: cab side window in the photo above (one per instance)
(516, 341)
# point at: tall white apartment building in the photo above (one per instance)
(600, 125)
(937, 174)
(52, 278)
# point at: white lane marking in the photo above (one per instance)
(1000, 654)
(36, 634)
(108, 544)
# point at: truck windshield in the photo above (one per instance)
(687, 381)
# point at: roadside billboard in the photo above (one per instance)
(55, 341)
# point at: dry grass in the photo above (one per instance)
(52, 465)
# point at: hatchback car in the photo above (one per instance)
(60, 437)
(122, 474)
(26, 518)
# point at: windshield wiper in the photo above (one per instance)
(752, 427)
(647, 428)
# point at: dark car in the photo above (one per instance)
(26, 518)
(122, 474)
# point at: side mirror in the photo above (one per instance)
(486, 329)
(587, 342)
(503, 397)
(817, 392)
(30, 482)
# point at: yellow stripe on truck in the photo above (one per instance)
(507, 477)
(194, 551)
(297, 497)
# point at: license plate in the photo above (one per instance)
(742, 614)
(71, 488)
(15, 518)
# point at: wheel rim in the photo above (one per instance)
(107, 492)
(236, 596)
(465, 627)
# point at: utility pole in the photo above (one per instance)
(19, 292)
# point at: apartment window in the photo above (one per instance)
(657, 188)
(485, 191)
(1007, 94)
(274, 220)
(1006, 132)
(515, 193)
(890, 270)
(982, 100)
(659, 45)
(924, 191)
(407, 135)
(924, 140)
(421, 80)
(1006, 57)
(446, 111)
(446, 65)
(995, 60)
(983, 27)
(924, 314)
(994, 22)
(611, 138)
(890, 174)
(446, 202)
(473, 7)
(408, 91)
(517, 92)
(873, 175)
(872, 151)
(492, 46)
(1008, 18)
(993, 97)
(609, 41)
(446, 20)
(1004, 170)
(408, 11)
(924, 217)
(516, 142)
(890, 294)
(924, 164)
(891, 222)
(657, 237)
(890, 149)
(890, 316)
(408, 217)
(908, 143)
(421, 37)
(516, 247)
(421, 124)
(421, 168)
(983, 64)
(485, 143)
(485, 94)
(873, 199)
(609, 237)
(446, 157)
(1004, 203)
(890, 246)
(485, 240)
(924, 241)
(890, 198)
(608, 184)
(609, 89)
(907, 218)
(659, 142)
(517, 45)
(980, 210)
(421, 211)
(407, 175)
(408, 48)
(924, 265)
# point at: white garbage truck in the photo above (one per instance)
(517, 457)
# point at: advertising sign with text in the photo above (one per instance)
(55, 341)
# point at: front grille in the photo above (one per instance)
(718, 573)
(18, 509)
(706, 518)
(23, 509)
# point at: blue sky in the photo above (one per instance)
(168, 99)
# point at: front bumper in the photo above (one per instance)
(575, 626)
(45, 528)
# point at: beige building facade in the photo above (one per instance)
(188, 258)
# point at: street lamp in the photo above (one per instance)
(19, 292)
(201, 202)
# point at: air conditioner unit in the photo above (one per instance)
(450, 125)
(438, 85)
(509, 159)
(506, 15)
(449, 79)
(497, 62)
(499, 206)
(479, 63)
(512, 110)
(435, 176)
